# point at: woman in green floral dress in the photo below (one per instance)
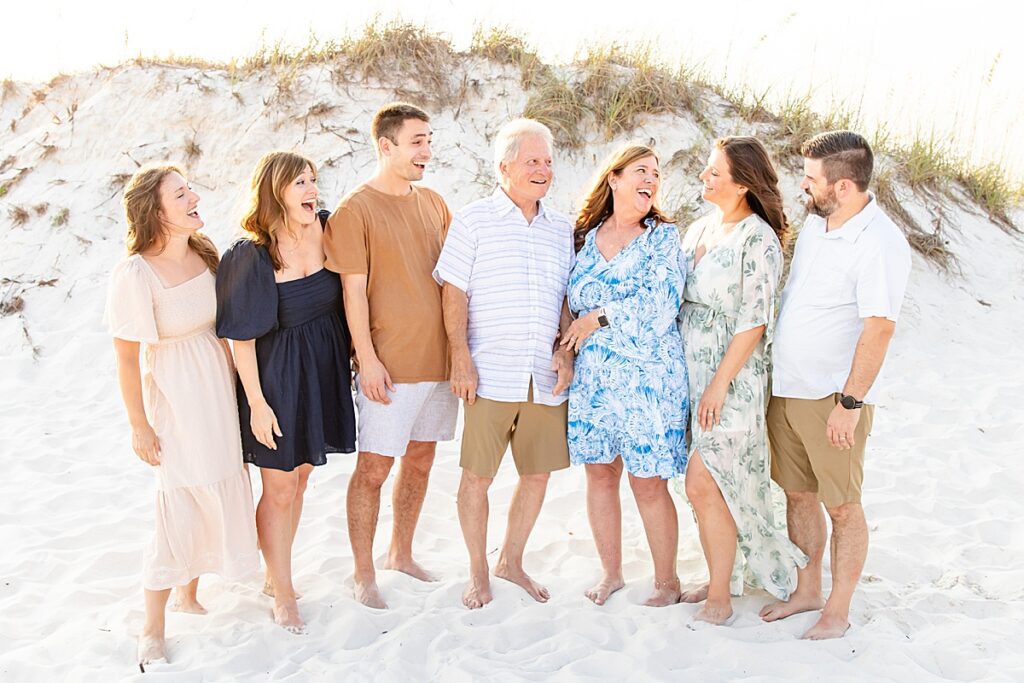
(734, 264)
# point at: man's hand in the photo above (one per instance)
(374, 381)
(464, 378)
(562, 363)
(840, 427)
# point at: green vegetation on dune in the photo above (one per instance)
(608, 91)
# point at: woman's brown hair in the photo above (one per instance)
(142, 214)
(750, 166)
(598, 204)
(267, 214)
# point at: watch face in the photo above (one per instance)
(849, 402)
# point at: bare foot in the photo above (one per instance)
(795, 605)
(410, 567)
(828, 627)
(523, 580)
(477, 593)
(369, 595)
(286, 615)
(716, 612)
(600, 593)
(187, 605)
(151, 650)
(695, 594)
(665, 593)
(268, 590)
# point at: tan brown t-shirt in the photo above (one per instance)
(395, 241)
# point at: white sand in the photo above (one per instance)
(941, 597)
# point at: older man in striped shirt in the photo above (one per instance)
(504, 266)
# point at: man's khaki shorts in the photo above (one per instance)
(802, 457)
(537, 434)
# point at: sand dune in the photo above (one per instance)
(941, 597)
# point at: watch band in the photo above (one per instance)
(849, 402)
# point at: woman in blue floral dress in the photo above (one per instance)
(628, 399)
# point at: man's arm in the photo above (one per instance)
(374, 380)
(455, 304)
(562, 359)
(867, 361)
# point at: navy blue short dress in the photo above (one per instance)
(302, 349)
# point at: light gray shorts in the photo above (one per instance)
(421, 411)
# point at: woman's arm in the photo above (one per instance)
(709, 411)
(262, 419)
(144, 440)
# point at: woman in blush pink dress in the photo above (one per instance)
(181, 403)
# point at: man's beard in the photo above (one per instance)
(824, 206)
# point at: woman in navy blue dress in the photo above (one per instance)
(283, 311)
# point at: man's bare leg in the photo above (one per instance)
(849, 551)
(363, 507)
(474, 509)
(407, 501)
(662, 528)
(522, 515)
(806, 522)
(604, 509)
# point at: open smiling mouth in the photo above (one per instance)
(644, 192)
(194, 213)
(309, 206)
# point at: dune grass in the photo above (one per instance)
(608, 91)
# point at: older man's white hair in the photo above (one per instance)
(512, 134)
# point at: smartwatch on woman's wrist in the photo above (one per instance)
(602, 319)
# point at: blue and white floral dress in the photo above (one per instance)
(629, 393)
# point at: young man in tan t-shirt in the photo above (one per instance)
(384, 240)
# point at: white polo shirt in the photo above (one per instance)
(515, 275)
(836, 280)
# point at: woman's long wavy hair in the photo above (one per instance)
(142, 214)
(267, 215)
(598, 204)
(750, 166)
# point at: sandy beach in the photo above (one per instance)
(941, 598)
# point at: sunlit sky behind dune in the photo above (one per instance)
(953, 68)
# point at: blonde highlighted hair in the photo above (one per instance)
(142, 206)
(598, 204)
(267, 215)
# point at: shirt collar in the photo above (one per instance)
(852, 228)
(503, 204)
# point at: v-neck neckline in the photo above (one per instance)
(707, 252)
(607, 261)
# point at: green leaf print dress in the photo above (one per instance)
(733, 288)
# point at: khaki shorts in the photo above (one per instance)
(537, 434)
(802, 457)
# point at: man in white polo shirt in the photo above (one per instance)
(505, 266)
(837, 315)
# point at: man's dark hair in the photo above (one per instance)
(843, 154)
(389, 119)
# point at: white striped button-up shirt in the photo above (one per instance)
(515, 275)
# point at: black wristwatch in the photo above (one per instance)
(602, 319)
(849, 402)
